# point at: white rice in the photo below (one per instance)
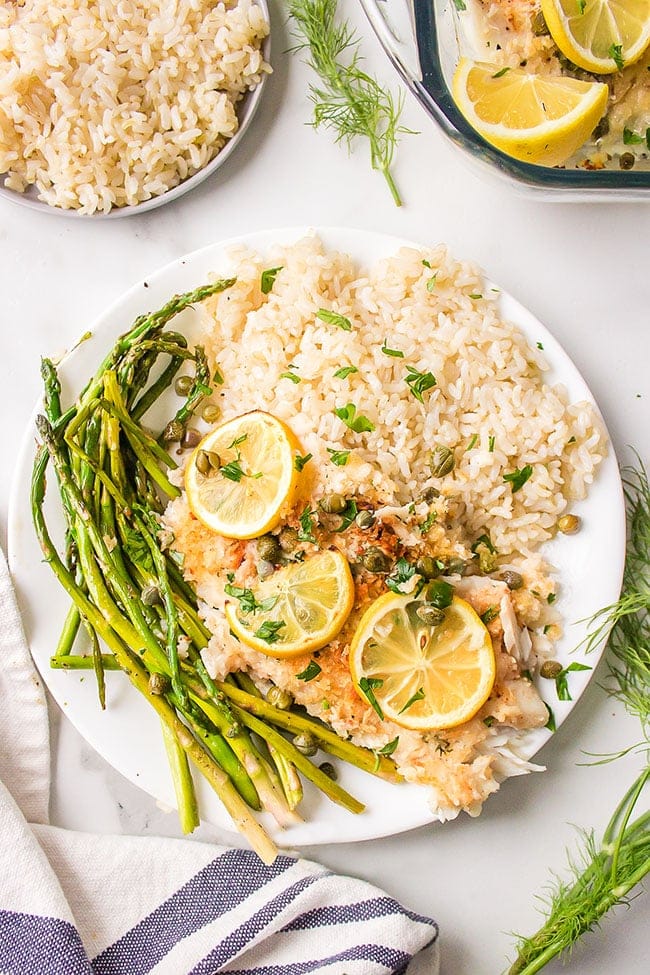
(106, 103)
(489, 384)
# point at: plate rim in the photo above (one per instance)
(281, 236)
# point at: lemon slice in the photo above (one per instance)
(422, 676)
(538, 119)
(249, 475)
(298, 609)
(599, 35)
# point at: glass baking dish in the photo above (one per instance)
(423, 40)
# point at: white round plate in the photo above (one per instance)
(246, 109)
(589, 568)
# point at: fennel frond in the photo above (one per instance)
(348, 100)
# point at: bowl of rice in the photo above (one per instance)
(113, 109)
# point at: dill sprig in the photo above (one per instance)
(349, 101)
(604, 875)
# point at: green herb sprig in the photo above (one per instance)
(606, 874)
(347, 100)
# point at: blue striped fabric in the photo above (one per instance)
(394, 961)
(217, 889)
(32, 945)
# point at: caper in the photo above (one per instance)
(158, 684)
(512, 579)
(288, 538)
(265, 568)
(375, 560)
(430, 615)
(191, 438)
(487, 560)
(439, 593)
(430, 494)
(550, 669)
(306, 743)
(365, 519)
(183, 385)
(332, 504)
(442, 461)
(210, 413)
(150, 595)
(203, 464)
(569, 524)
(455, 567)
(427, 567)
(173, 431)
(268, 549)
(627, 160)
(328, 769)
(538, 25)
(278, 698)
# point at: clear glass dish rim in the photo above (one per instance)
(432, 91)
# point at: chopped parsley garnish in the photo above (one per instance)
(550, 724)
(561, 684)
(338, 457)
(518, 477)
(460, 5)
(571, 440)
(630, 138)
(419, 382)
(428, 522)
(358, 424)
(472, 443)
(426, 263)
(217, 378)
(500, 74)
(418, 696)
(476, 296)
(268, 279)
(290, 375)
(486, 541)
(393, 352)
(333, 318)
(299, 462)
(490, 614)
(540, 346)
(348, 515)
(431, 283)
(491, 445)
(489, 720)
(238, 441)
(247, 601)
(647, 134)
(345, 371)
(388, 748)
(233, 471)
(306, 530)
(367, 686)
(269, 630)
(581, 6)
(551, 598)
(402, 572)
(311, 670)
(616, 54)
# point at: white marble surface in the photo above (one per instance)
(583, 269)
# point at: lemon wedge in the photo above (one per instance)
(422, 676)
(599, 35)
(296, 610)
(242, 475)
(534, 118)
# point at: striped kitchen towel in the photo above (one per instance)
(81, 904)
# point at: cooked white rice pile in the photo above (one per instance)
(490, 404)
(111, 103)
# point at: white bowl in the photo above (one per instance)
(246, 109)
